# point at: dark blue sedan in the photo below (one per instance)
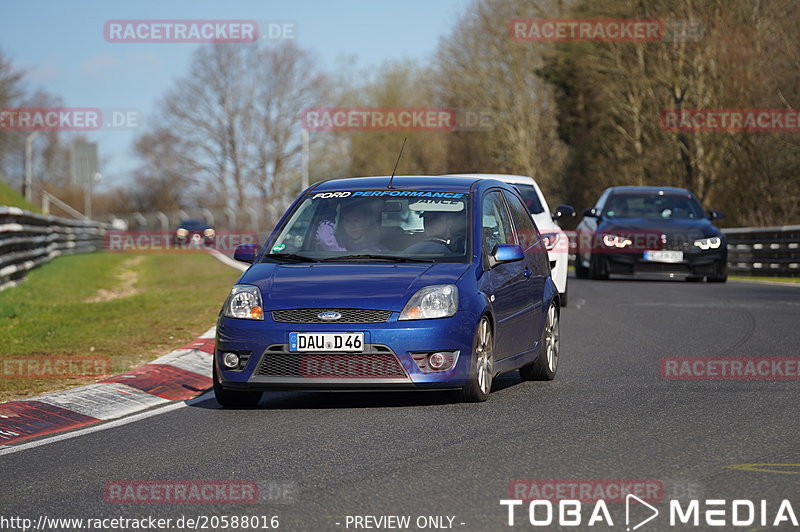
(652, 230)
(413, 283)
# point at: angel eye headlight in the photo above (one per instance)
(436, 301)
(708, 243)
(244, 302)
(615, 241)
(209, 232)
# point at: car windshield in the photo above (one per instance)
(530, 197)
(375, 225)
(653, 205)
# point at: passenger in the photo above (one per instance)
(359, 228)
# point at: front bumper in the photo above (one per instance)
(694, 263)
(385, 363)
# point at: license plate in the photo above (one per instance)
(664, 256)
(327, 342)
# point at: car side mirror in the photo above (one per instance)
(563, 211)
(246, 253)
(714, 214)
(591, 213)
(503, 253)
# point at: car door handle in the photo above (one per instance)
(527, 273)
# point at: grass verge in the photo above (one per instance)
(11, 198)
(770, 279)
(128, 307)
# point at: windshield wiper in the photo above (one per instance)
(387, 258)
(291, 257)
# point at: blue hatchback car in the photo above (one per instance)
(380, 283)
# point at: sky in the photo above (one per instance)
(62, 48)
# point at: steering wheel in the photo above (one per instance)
(437, 240)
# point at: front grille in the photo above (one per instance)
(678, 242)
(381, 363)
(657, 267)
(349, 315)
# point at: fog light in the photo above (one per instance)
(230, 360)
(432, 362)
(436, 361)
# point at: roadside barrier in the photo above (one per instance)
(28, 240)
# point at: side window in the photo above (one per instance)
(296, 238)
(497, 227)
(524, 228)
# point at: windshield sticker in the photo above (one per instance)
(391, 193)
(429, 205)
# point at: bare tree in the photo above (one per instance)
(481, 68)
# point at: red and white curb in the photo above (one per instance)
(177, 376)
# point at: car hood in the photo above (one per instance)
(687, 228)
(384, 286)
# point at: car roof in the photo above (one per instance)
(632, 188)
(403, 182)
(507, 178)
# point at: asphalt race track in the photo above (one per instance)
(320, 457)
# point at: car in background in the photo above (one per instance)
(194, 232)
(663, 230)
(556, 240)
(379, 283)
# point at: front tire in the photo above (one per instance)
(721, 276)
(482, 366)
(545, 366)
(581, 272)
(598, 268)
(233, 398)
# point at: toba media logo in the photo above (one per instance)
(638, 512)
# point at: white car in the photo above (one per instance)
(556, 239)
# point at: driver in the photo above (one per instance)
(358, 230)
(445, 228)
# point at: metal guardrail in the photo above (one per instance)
(764, 251)
(753, 251)
(28, 240)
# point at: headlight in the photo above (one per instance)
(615, 241)
(550, 240)
(209, 233)
(244, 302)
(437, 301)
(708, 243)
(181, 233)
